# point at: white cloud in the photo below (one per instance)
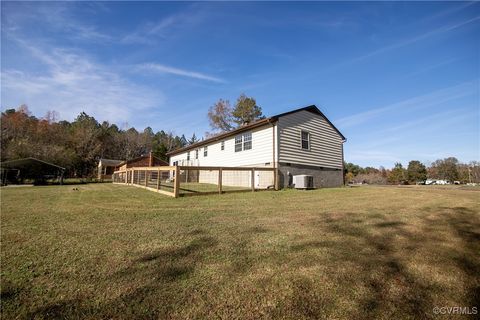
(407, 42)
(150, 32)
(419, 102)
(372, 157)
(155, 67)
(57, 17)
(426, 138)
(145, 34)
(74, 83)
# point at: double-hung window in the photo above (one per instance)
(188, 156)
(222, 145)
(243, 142)
(305, 140)
(205, 151)
(247, 141)
(196, 154)
(238, 143)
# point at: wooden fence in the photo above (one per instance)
(176, 181)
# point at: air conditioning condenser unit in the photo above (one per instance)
(303, 181)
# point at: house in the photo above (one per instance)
(144, 161)
(106, 167)
(301, 141)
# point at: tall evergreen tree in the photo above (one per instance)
(246, 110)
(416, 171)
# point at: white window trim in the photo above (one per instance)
(309, 140)
(242, 141)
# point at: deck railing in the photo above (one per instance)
(178, 181)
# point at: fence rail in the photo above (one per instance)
(178, 181)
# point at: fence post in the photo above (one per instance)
(253, 179)
(176, 186)
(220, 180)
(276, 178)
(125, 175)
(133, 174)
(158, 179)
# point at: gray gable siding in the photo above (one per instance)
(326, 145)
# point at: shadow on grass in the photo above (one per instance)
(381, 251)
(377, 249)
(160, 273)
(466, 224)
(373, 249)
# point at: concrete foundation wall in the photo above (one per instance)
(322, 177)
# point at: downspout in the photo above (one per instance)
(273, 140)
(276, 176)
(343, 167)
(343, 164)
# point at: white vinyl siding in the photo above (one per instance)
(325, 144)
(258, 151)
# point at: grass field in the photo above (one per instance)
(197, 188)
(119, 252)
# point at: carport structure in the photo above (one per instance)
(16, 171)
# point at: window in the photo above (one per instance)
(222, 145)
(247, 141)
(305, 140)
(188, 156)
(238, 143)
(205, 151)
(243, 142)
(196, 154)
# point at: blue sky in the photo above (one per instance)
(399, 79)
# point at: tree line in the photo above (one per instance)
(449, 169)
(78, 145)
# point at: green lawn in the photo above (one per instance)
(189, 188)
(120, 252)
